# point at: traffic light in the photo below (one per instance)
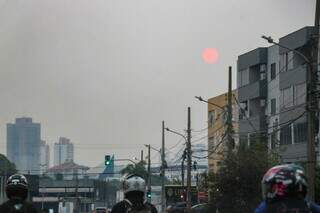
(149, 196)
(107, 160)
(195, 165)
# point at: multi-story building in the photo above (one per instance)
(23, 145)
(217, 117)
(44, 156)
(63, 151)
(272, 95)
(252, 94)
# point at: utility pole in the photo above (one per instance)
(312, 104)
(182, 169)
(141, 157)
(230, 144)
(163, 167)
(189, 162)
(149, 173)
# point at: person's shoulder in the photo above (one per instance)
(30, 207)
(262, 208)
(314, 207)
(118, 207)
(152, 207)
(4, 206)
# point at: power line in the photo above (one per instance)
(278, 129)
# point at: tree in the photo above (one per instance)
(236, 187)
(6, 167)
(138, 169)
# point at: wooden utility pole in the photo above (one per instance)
(230, 142)
(312, 104)
(189, 160)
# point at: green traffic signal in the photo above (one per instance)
(107, 159)
(149, 194)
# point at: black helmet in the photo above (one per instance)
(17, 187)
(284, 181)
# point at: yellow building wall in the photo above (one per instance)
(217, 129)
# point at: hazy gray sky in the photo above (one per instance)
(105, 73)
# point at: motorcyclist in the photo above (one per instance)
(284, 189)
(134, 188)
(17, 192)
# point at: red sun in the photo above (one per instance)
(210, 55)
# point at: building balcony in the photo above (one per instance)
(255, 123)
(294, 76)
(254, 90)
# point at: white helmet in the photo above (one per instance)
(133, 182)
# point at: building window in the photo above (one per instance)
(243, 77)
(286, 97)
(286, 61)
(244, 110)
(300, 132)
(263, 71)
(273, 106)
(300, 94)
(212, 118)
(273, 71)
(285, 135)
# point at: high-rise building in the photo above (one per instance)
(44, 156)
(63, 151)
(272, 94)
(23, 145)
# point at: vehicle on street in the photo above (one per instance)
(101, 210)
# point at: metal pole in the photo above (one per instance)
(182, 174)
(163, 205)
(141, 157)
(149, 173)
(189, 162)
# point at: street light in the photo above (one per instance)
(177, 133)
(270, 40)
(310, 118)
(202, 100)
(147, 145)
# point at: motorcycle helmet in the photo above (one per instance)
(284, 181)
(133, 182)
(17, 187)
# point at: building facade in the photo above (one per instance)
(272, 89)
(63, 151)
(217, 117)
(44, 156)
(23, 145)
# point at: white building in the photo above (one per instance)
(63, 151)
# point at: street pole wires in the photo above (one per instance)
(282, 125)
